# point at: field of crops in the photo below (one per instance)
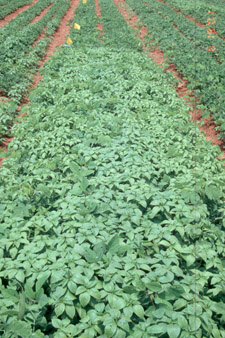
(112, 209)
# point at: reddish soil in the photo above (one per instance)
(58, 39)
(99, 26)
(189, 17)
(38, 17)
(13, 15)
(176, 26)
(41, 36)
(186, 16)
(182, 90)
(62, 31)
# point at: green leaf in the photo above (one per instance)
(43, 300)
(216, 333)
(9, 313)
(173, 330)
(100, 249)
(110, 330)
(29, 291)
(218, 308)
(42, 279)
(182, 322)
(116, 302)
(159, 328)
(159, 313)
(72, 287)
(154, 286)
(190, 259)
(20, 276)
(70, 310)
(139, 311)
(194, 323)
(155, 211)
(57, 323)
(57, 276)
(21, 328)
(59, 292)
(76, 190)
(113, 245)
(130, 289)
(84, 299)
(91, 256)
(59, 309)
(84, 183)
(74, 168)
(124, 325)
(22, 306)
(128, 311)
(174, 292)
(179, 304)
(169, 277)
(213, 192)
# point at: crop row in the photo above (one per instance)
(15, 48)
(12, 6)
(24, 18)
(3, 2)
(204, 74)
(97, 209)
(196, 34)
(16, 78)
(200, 12)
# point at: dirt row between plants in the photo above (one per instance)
(186, 16)
(157, 55)
(38, 17)
(13, 15)
(99, 26)
(58, 39)
(192, 42)
(189, 18)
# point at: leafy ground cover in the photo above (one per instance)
(11, 6)
(14, 75)
(97, 211)
(205, 75)
(196, 34)
(201, 12)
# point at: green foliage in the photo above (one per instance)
(98, 223)
(19, 35)
(200, 11)
(7, 114)
(10, 6)
(205, 75)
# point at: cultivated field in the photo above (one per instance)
(111, 182)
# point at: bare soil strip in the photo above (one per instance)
(62, 31)
(189, 17)
(58, 39)
(13, 15)
(99, 26)
(192, 42)
(179, 12)
(41, 36)
(38, 17)
(157, 55)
